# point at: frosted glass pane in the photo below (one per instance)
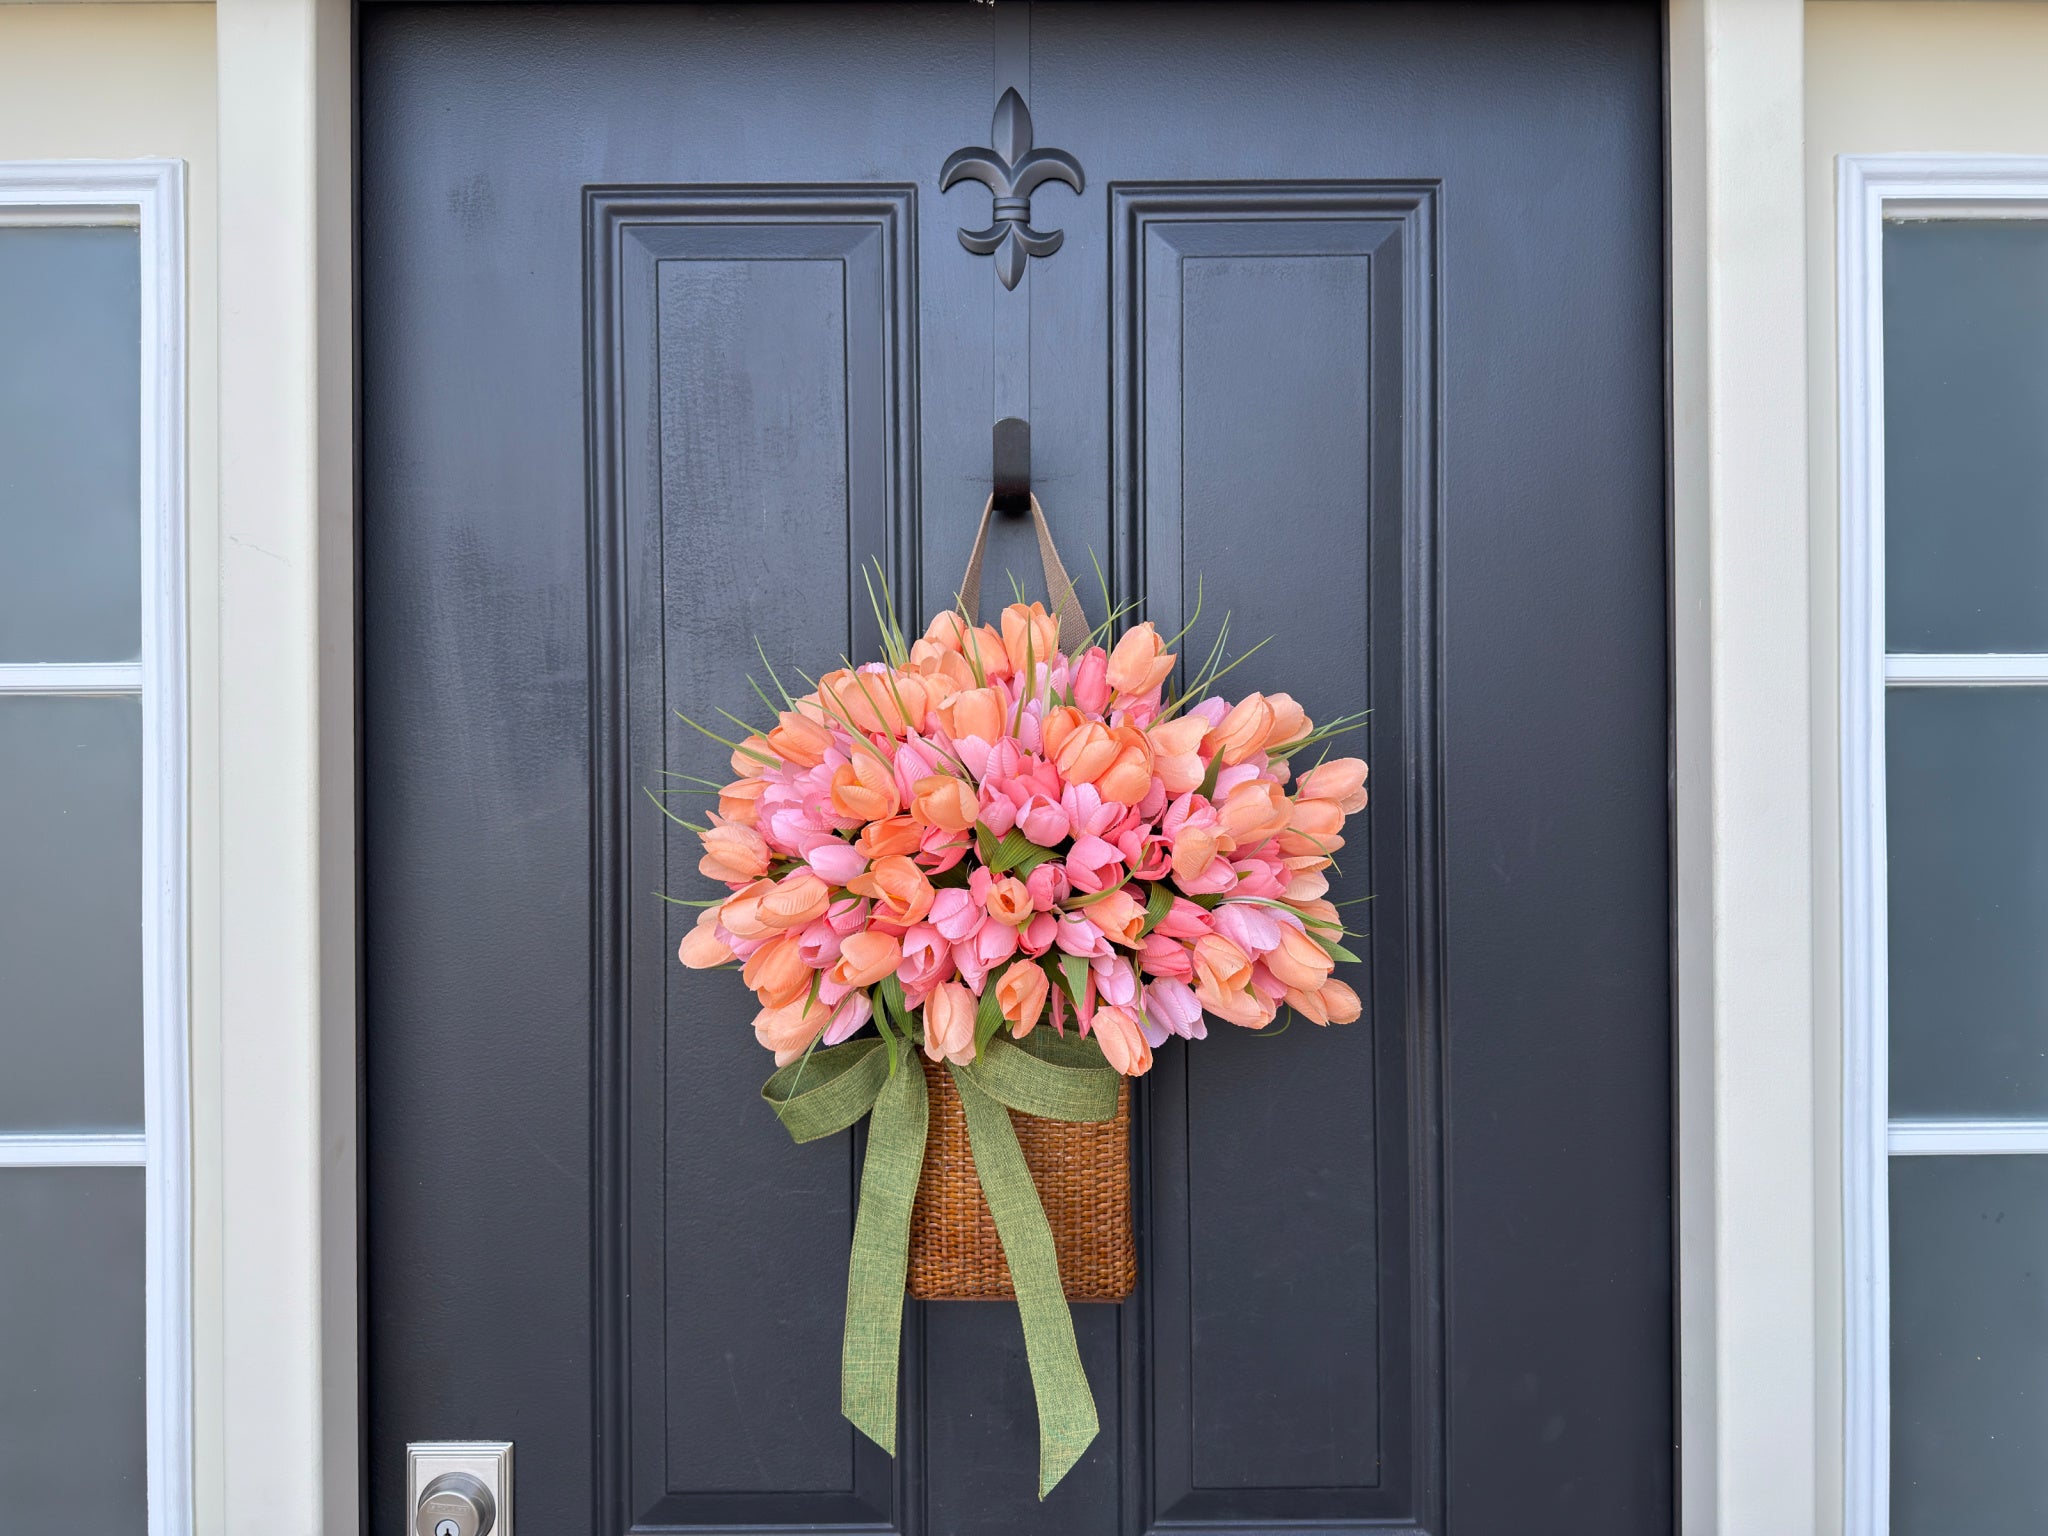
(1966, 435)
(70, 914)
(1967, 802)
(1969, 1346)
(70, 430)
(72, 1442)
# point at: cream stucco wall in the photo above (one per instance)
(1954, 76)
(121, 82)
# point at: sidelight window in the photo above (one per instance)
(1944, 410)
(94, 1325)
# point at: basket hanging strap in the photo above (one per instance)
(1059, 587)
(1056, 1078)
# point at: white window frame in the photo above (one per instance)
(148, 196)
(1870, 189)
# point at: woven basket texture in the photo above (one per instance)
(1083, 1174)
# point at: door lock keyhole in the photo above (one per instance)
(455, 1504)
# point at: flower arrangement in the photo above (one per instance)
(1010, 846)
(985, 833)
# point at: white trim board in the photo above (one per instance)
(150, 195)
(1966, 1138)
(1869, 189)
(67, 1149)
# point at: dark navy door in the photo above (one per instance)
(1354, 322)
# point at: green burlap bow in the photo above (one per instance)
(1043, 1074)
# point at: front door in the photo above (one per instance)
(1356, 328)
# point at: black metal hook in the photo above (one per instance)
(1012, 479)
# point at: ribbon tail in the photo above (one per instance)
(1066, 1407)
(881, 1255)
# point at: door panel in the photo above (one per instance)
(1356, 333)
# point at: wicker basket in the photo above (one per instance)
(1083, 1174)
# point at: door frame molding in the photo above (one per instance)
(1755, 1382)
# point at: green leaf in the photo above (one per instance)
(1208, 789)
(888, 1035)
(1074, 972)
(1011, 852)
(988, 1018)
(984, 842)
(1157, 905)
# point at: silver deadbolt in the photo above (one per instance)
(455, 1504)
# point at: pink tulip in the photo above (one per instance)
(1093, 864)
(927, 959)
(1078, 936)
(818, 945)
(1091, 681)
(1172, 1008)
(853, 1012)
(835, 862)
(1161, 956)
(1036, 936)
(956, 914)
(1048, 885)
(1252, 928)
(1115, 981)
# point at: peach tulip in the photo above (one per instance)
(789, 1030)
(863, 789)
(981, 646)
(1119, 915)
(702, 948)
(1340, 1002)
(1128, 777)
(739, 801)
(1252, 812)
(1086, 752)
(799, 739)
(1140, 661)
(776, 972)
(798, 899)
(1298, 962)
(753, 757)
(851, 700)
(733, 853)
(1176, 752)
(894, 835)
(901, 892)
(978, 712)
(1221, 968)
(1030, 635)
(1290, 721)
(945, 802)
(1021, 994)
(865, 958)
(741, 912)
(1123, 1042)
(1319, 819)
(949, 1023)
(1245, 730)
(1009, 901)
(1341, 779)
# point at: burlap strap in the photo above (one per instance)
(1059, 587)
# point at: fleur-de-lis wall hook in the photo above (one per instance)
(1012, 170)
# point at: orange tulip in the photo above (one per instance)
(1290, 721)
(982, 645)
(945, 671)
(891, 835)
(852, 699)
(945, 802)
(741, 913)
(864, 789)
(1086, 753)
(1021, 994)
(1128, 778)
(1340, 1001)
(1140, 661)
(906, 703)
(866, 957)
(1254, 812)
(1176, 752)
(753, 757)
(1057, 725)
(732, 853)
(798, 900)
(949, 1023)
(1341, 779)
(739, 801)
(1123, 1042)
(1009, 901)
(789, 1030)
(799, 739)
(1316, 818)
(1029, 633)
(1119, 915)
(776, 972)
(1194, 850)
(1248, 1008)
(702, 948)
(1221, 968)
(1311, 852)
(1300, 963)
(1245, 730)
(982, 712)
(901, 892)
